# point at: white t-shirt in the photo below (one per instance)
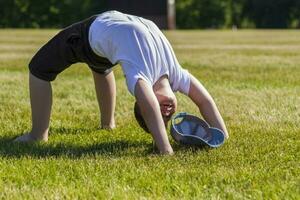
(140, 47)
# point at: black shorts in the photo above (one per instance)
(69, 46)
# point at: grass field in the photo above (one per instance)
(254, 77)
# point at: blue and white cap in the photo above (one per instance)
(188, 129)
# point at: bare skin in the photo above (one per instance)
(106, 94)
(166, 98)
(150, 110)
(207, 107)
(158, 111)
(41, 102)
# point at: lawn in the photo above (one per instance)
(254, 77)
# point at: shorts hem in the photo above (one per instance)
(101, 71)
(44, 78)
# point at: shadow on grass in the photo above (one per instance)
(117, 148)
(73, 130)
(189, 149)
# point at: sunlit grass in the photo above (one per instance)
(253, 77)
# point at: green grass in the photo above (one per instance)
(254, 77)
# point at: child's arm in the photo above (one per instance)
(150, 110)
(206, 105)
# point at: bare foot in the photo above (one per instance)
(169, 152)
(108, 127)
(29, 138)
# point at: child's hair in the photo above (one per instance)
(139, 118)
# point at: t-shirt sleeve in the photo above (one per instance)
(181, 81)
(132, 75)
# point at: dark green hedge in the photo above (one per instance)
(46, 13)
(190, 13)
(238, 13)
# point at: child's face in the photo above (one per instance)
(166, 98)
(168, 105)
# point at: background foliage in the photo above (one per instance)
(238, 13)
(190, 13)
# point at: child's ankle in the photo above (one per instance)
(39, 136)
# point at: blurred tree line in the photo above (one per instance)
(238, 13)
(47, 13)
(190, 13)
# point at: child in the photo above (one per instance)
(151, 69)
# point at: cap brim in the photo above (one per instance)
(206, 136)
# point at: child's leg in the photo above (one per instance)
(41, 101)
(106, 94)
(67, 47)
